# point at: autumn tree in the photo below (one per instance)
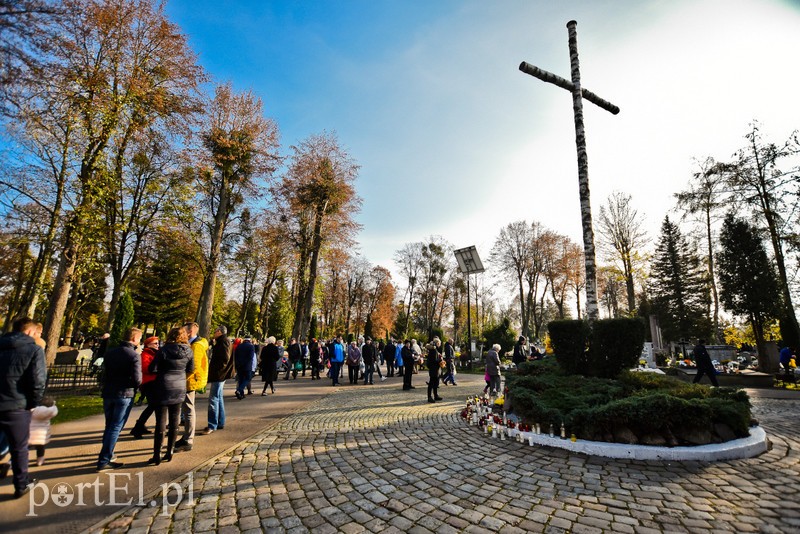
(267, 256)
(622, 235)
(512, 248)
(318, 202)
(764, 176)
(112, 63)
(143, 179)
(237, 157)
(437, 262)
(747, 279)
(409, 260)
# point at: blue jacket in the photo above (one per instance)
(338, 353)
(245, 357)
(398, 355)
(22, 372)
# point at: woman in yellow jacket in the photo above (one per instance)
(194, 381)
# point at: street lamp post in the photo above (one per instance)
(468, 263)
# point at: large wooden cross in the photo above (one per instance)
(578, 94)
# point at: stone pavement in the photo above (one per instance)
(382, 460)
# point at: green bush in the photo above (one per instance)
(570, 341)
(648, 405)
(123, 319)
(615, 345)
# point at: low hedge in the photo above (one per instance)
(635, 408)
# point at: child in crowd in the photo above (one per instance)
(40, 427)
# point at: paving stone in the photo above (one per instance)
(364, 470)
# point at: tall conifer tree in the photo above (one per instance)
(678, 286)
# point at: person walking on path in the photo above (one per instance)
(23, 375)
(449, 360)
(244, 356)
(493, 369)
(122, 375)
(220, 369)
(408, 364)
(147, 389)
(704, 365)
(195, 381)
(368, 354)
(337, 359)
(173, 363)
(314, 359)
(389, 357)
(295, 357)
(41, 428)
(432, 362)
(353, 362)
(269, 365)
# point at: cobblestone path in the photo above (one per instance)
(382, 460)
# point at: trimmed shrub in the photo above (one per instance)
(570, 341)
(635, 408)
(615, 345)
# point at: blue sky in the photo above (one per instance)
(454, 141)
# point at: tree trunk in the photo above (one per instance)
(60, 294)
(205, 308)
(307, 303)
(112, 306)
(592, 311)
(712, 277)
(629, 288)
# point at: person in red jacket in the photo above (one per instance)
(151, 346)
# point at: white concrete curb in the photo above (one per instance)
(737, 449)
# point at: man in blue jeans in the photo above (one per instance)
(220, 368)
(337, 359)
(122, 371)
(22, 378)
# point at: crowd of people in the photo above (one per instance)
(168, 374)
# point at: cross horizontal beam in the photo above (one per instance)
(549, 77)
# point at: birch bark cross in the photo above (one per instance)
(578, 94)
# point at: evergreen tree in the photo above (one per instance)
(123, 319)
(748, 284)
(164, 286)
(678, 286)
(280, 313)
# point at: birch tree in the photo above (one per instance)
(237, 158)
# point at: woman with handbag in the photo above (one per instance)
(353, 362)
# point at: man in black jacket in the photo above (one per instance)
(388, 356)
(704, 365)
(23, 374)
(220, 368)
(408, 364)
(122, 375)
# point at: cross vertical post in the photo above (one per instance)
(578, 95)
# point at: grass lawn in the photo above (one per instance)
(77, 407)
